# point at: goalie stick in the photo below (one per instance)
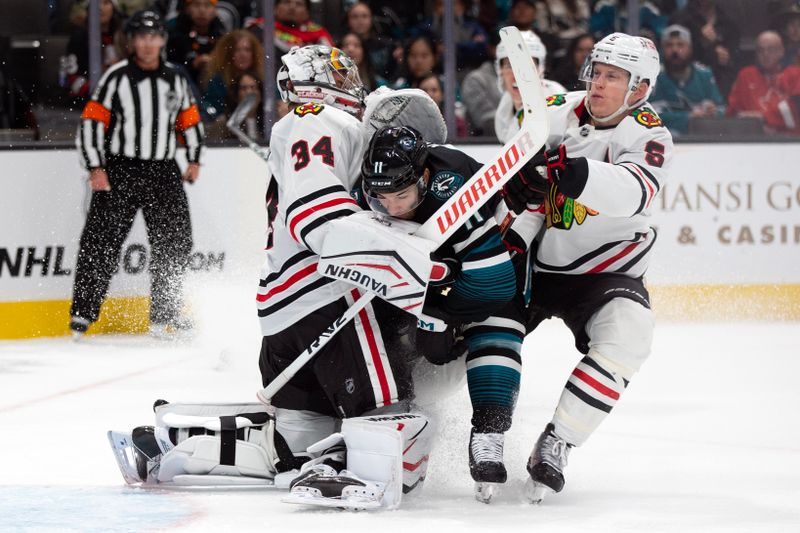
(485, 183)
(235, 120)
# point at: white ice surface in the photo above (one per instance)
(707, 437)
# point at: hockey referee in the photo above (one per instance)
(142, 108)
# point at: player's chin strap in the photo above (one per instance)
(624, 108)
(462, 205)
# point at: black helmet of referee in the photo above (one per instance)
(146, 21)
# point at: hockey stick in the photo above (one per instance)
(235, 120)
(484, 184)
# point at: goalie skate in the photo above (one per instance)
(321, 486)
(125, 454)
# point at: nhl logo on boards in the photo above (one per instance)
(308, 107)
(444, 184)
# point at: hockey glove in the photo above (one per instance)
(448, 266)
(514, 243)
(439, 341)
(568, 174)
(528, 186)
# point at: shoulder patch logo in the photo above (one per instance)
(445, 183)
(647, 117)
(556, 99)
(308, 107)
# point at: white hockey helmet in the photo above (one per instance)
(636, 55)
(535, 46)
(321, 74)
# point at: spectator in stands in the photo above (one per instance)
(353, 45)
(609, 16)
(523, 14)
(563, 19)
(768, 90)
(16, 111)
(236, 52)
(480, 92)
(714, 37)
(253, 124)
(193, 35)
(685, 89)
(74, 66)
(383, 52)
(790, 19)
(572, 63)
(470, 37)
(419, 61)
(293, 26)
(432, 84)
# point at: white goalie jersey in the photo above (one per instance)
(315, 159)
(607, 228)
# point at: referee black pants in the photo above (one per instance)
(156, 188)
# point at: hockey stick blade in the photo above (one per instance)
(241, 111)
(470, 197)
(236, 118)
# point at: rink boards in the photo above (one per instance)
(728, 245)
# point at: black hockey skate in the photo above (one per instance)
(486, 463)
(322, 486)
(546, 465)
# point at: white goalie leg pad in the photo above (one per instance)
(378, 255)
(390, 449)
(238, 442)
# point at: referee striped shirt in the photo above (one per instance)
(140, 114)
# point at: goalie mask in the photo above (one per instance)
(636, 55)
(392, 173)
(321, 74)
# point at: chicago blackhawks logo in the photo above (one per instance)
(561, 212)
(556, 99)
(444, 184)
(308, 107)
(647, 118)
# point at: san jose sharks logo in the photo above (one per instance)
(445, 183)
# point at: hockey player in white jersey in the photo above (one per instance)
(607, 158)
(359, 376)
(509, 112)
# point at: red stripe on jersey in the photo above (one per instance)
(294, 278)
(413, 466)
(311, 210)
(596, 385)
(602, 266)
(412, 306)
(377, 267)
(646, 182)
(374, 352)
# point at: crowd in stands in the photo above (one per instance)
(709, 71)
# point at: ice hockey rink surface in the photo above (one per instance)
(706, 438)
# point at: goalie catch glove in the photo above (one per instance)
(528, 186)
